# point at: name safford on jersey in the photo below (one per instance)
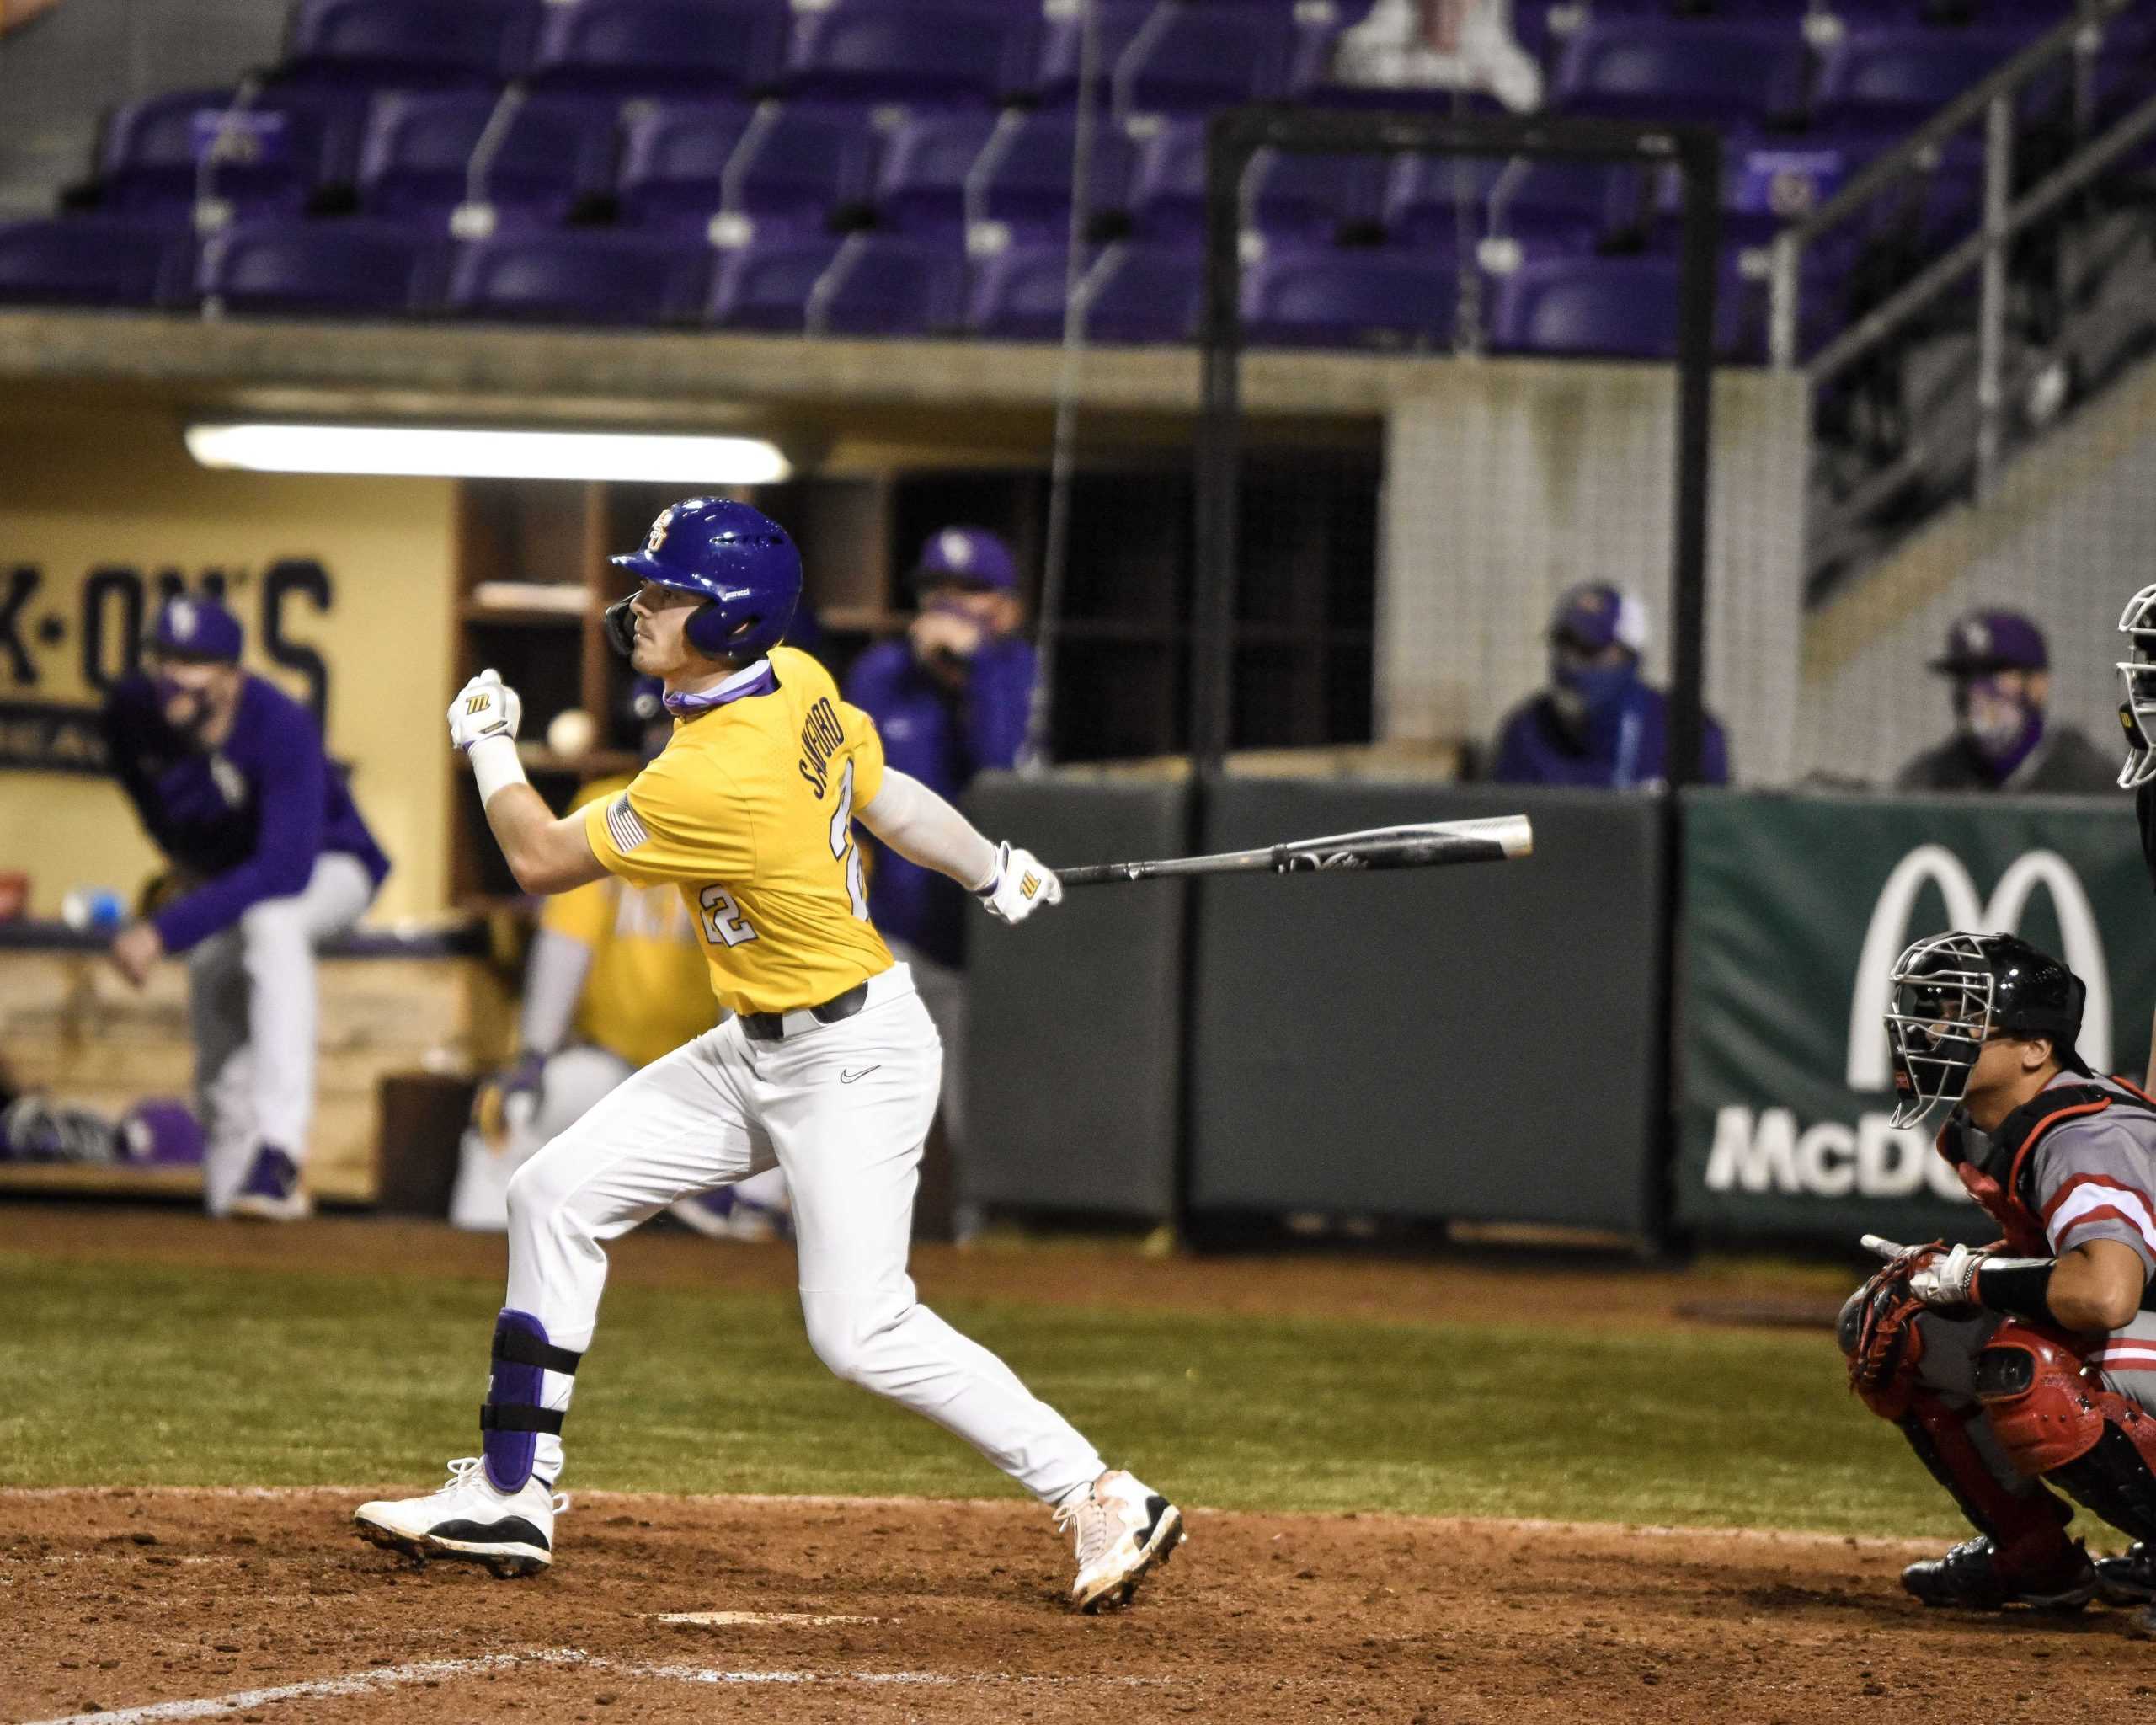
(828, 1066)
(821, 737)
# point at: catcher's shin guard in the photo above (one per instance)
(2055, 1417)
(2026, 1527)
(512, 1417)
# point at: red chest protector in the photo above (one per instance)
(2005, 1181)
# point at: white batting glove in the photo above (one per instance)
(486, 707)
(1020, 886)
(1944, 1277)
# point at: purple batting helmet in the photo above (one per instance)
(742, 561)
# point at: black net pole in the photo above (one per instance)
(1699, 157)
(1228, 152)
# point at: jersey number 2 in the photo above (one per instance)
(723, 922)
(843, 846)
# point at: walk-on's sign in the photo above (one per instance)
(1795, 910)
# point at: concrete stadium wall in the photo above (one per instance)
(2068, 538)
(96, 490)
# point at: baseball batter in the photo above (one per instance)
(827, 1067)
(230, 778)
(2029, 1365)
(614, 979)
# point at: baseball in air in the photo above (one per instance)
(572, 732)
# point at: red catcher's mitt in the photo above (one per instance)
(1887, 1339)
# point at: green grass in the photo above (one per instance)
(156, 1375)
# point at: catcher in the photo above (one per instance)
(2027, 1368)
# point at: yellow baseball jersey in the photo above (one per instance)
(646, 991)
(749, 812)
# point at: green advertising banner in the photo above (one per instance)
(1795, 910)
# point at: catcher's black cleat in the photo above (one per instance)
(1969, 1578)
(2129, 1580)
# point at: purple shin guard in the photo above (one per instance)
(512, 1418)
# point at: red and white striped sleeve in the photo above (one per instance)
(2098, 1181)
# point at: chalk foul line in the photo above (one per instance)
(388, 1677)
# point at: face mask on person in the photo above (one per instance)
(187, 705)
(2000, 722)
(1586, 692)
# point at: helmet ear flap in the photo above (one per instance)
(706, 629)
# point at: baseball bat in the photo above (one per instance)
(1431, 844)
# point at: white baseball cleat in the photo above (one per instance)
(1122, 1528)
(512, 1533)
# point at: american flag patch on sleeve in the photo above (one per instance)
(622, 822)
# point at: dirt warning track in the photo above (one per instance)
(173, 1605)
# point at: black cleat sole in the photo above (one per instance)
(506, 1564)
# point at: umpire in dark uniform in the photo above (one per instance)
(2000, 668)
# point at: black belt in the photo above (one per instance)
(770, 1027)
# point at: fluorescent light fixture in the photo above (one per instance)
(452, 452)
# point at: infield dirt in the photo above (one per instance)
(164, 1604)
(124, 1599)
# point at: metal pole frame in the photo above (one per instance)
(1233, 137)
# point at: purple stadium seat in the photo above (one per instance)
(94, 261)
(418, 163)
(1303, 200)
(927, 53)
(674, 161)
(884, 284)
(578, 275)
(1167, 183)
(1350, 299)
(1018, 294)
(1132, 293)
(315, 269)
(408, 44)
(1889, 81)
(766, 284)
(263, 157)
(1139, 293)
(680, 49)
(1646, 70)
(796, 166)
(1020, 190)
(1546, 206)
(1175, 56)
(1617, 308)
(920, 188)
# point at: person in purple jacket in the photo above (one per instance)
(1599, 723)
(228, 775)
(950, 699)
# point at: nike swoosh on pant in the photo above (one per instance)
(848, 1077)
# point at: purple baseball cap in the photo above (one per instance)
(1985, 641)
(196, 628)
(972, 556)
(1595, 613)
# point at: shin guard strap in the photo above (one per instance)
(494, 1418)
(521, 1347)
(513, 1417)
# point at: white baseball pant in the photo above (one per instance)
(251, 1005)
(843, 1108)
(574, 1080)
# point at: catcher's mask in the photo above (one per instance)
(2137, 678)
(1952, 993)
